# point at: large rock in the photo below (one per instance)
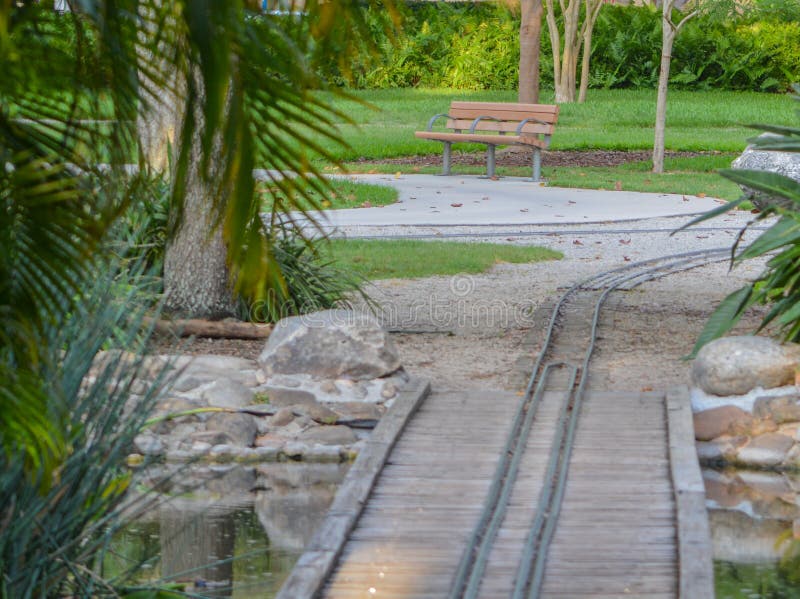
(724, 420)
(330, 345)
(737, 365)
(783, 163)
(765, 450)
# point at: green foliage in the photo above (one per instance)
(55, 525)
(311, 280)
(779, 285)
(476, 46)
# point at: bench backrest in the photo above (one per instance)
(465, 113)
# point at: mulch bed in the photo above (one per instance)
(519, 157)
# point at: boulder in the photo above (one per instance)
(784, 408)
(329, 435)
(724, 420)
(240, 429)
(739, 364)
(225, 393)
(765, 450)
(783, 163)
(329, 345)
(284, 398)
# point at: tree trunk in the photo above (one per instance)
(196, 277)
(592, 12)
(529, 43)
(667, 40)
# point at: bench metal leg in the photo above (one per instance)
(446, 158)
(537, 165)
(490, 163)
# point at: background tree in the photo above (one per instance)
(669, 29)
(530, 35)
(578, 20)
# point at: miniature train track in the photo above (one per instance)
(563, 366)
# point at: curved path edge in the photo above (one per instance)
(318, 559)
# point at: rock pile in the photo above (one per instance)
(321, 383)
(747, 409)
(783, 163)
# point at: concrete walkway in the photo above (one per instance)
(469, 200)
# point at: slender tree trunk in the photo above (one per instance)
(667, 40)
(592, 12)
(530, 34)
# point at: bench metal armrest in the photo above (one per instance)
(529, 120)
(434, 118)
(481, 118)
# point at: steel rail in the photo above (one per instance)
(530, 574)
(471, 568)
(546, 233)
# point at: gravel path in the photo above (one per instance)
(471, 331)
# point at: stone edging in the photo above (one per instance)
(319, 557)
(695, 569)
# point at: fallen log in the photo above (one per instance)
(217, 329)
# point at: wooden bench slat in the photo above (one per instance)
(510, 127)
(498, 140)
(502, 106)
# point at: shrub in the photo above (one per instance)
(779, 285)
(476, 46)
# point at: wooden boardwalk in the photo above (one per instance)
(627, 526)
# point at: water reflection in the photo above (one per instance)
(233, 532)
(755, 530)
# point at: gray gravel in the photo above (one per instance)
(467, 331)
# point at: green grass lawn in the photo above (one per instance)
(379, 259)
(344, 194)
(610, 119)
(707, 121)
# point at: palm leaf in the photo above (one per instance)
(724, 317)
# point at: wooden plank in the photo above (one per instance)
(694, 535)
(308, 576)
(506, 126)
(499, 140)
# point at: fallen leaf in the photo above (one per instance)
(618, 185)
(456, 205)
(646, 389)
(397, 175)
(523, 209)
(484, 198)
(625, 241)
(685, 199)
(577, 242)
(571, 202)
(701, 195)
(702, 236)
(366, 204)
(494, 178)
(626, 259)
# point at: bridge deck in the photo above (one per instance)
(618, 530)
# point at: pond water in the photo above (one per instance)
(755, 532)
(226, 532)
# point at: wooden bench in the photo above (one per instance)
(495, 124)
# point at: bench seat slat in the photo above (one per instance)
(509, 126)
(499, 140)
(511, 112)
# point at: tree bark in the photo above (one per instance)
(196, 277)
(530, 34)
(592, 12)
(565, 62)
(667, 40)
